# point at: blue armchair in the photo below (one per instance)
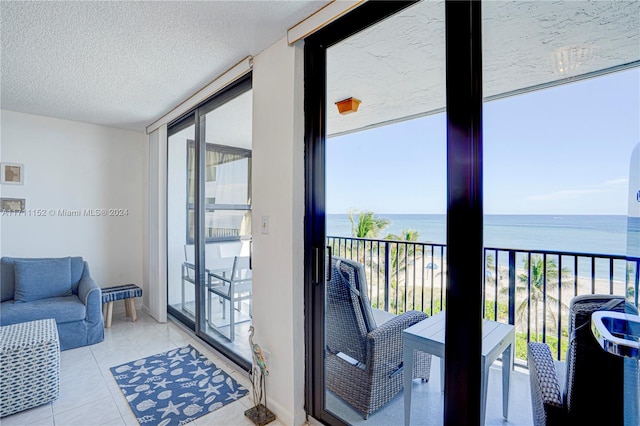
(58, 288)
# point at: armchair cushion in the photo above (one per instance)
(62, 309)
(42, 279)
(355, 280)
(7, 275)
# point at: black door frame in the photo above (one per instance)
(196, 117)
(464, 203)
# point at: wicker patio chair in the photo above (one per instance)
(364, 357)
(592, 391)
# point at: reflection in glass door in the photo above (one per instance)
(227, 221)
(209, 221)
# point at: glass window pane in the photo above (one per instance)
(561, 115)
(180, 231)
(385, 211)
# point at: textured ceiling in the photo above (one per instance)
(524, 43)
(125, 63)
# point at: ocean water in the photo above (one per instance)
(597, 234)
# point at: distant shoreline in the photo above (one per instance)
(606, 235)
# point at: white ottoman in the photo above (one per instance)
(29, 365)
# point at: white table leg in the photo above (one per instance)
(507, 366)
(407, 360)
(441, 374)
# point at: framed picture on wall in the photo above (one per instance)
(12, 204)
(12, 173)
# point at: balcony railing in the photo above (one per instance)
(528, 288)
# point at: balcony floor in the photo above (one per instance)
(428, 402)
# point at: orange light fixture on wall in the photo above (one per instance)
(347, 106)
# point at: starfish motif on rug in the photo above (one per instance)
(210, 389)
(176, 358)
(141, 370)
(200, 372)
(162, 384)
(171, 408)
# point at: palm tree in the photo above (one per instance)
(397, 253)
(489, 269)
(368, 225)
(536, 272)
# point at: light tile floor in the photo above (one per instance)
(89, 394)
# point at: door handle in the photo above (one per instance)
(316, 266)
(330, 256)
(318, 256)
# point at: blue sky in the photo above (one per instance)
(562, 150)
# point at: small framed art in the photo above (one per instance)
(12, 173)
(12, 205)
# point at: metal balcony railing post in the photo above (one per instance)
(387, 275)
(512, 287)
(544, 298)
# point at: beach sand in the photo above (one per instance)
(424, 285)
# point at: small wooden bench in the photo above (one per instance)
(122, 292)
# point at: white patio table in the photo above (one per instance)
(429, 336)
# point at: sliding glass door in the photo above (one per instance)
(209, 220)
(377, 194)
(385, 194)
(554, 88)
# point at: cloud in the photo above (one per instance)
(565, 194)
(615, 182)
(561, 195)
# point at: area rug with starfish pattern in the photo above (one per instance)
(175, 387)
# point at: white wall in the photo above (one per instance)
(75, 166)
(278, 192)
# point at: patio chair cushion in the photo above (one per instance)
(357, 283)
